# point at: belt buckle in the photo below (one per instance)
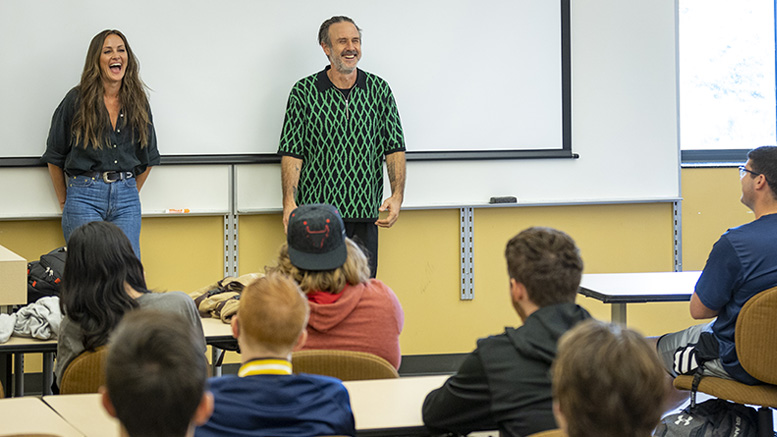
(106, 179)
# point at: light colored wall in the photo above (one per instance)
(419, 257)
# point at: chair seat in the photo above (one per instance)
(734, 391)
(550, 433)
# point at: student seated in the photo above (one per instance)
(156, 376)
(265, 398)
(607, 382)
(348, 310)
(102, 280)
(742, 263)
(505, 383)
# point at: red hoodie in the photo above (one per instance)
(366, 318)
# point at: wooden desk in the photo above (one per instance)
(85, 413)
(217, 333)
(381, 407)
(13, 351)
(391, 407)
(31, 416)
(620, 289)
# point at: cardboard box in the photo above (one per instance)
(13, 278)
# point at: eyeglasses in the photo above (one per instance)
(743, 171)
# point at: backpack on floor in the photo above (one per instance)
(45, 275)
(712, 418)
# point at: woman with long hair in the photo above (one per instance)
(348, 310)
(102, 143)
(103, 279)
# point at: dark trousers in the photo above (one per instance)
(365, 234)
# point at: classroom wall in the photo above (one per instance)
(419, 256)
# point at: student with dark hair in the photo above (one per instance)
(102, 280)
(742, 263)
(156, 376)
(102, 142)
(505, 383)
(607, 382)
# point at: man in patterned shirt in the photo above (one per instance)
(340, 124)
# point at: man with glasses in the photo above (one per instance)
(743, 262)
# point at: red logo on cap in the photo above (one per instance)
(317, 237)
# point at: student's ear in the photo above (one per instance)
(303, 337)
(106, 401)
(235, 326)
(326, 48)
(204, 409)
(517, 290)
(561, 421)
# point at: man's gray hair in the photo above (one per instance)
(323, 31)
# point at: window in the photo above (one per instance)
(727, 77)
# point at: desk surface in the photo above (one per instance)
(215, 331)
(380, 407)
(388, 406)
(639, 287)
(31, 416)
(85, 413)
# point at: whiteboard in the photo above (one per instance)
(27, 193)
(624, 127)
(466, 74)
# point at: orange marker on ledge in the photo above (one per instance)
(178, 211)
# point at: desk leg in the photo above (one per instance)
(215, 355)
(6, 373)
(618, 313)
(18, 371)
(48, 372)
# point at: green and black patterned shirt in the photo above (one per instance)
(342, 137)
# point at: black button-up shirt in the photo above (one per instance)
(122, 153)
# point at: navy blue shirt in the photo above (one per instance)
(122, 152)
(742, 263)
(278, 405)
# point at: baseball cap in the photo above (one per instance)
(316, 237)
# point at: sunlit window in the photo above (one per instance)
(727, 80)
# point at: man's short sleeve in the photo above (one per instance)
(722, 275)
(294, 126)
(394, 137)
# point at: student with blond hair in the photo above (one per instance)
(348, 310)
(607, 382)
(265, 398)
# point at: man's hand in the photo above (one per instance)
(391, 205)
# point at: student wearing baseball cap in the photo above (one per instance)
(348, 310)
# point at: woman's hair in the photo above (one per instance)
(99, 263)
(608, 381)
(356, 270)
(91, 116)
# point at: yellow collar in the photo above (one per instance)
(271, 366)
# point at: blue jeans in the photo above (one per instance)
(90, 200)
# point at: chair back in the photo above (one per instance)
(344, 365)
(86, 373)
(756, 336)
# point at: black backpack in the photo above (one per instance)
(712, 418)
(45, 275)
